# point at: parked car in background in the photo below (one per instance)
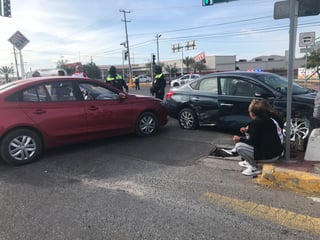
(144, 78)
(183, 80)
(223, 98)
(46, 112)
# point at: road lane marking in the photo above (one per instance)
(277, 215)
(315, 199)
(126, 186)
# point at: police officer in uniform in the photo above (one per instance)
(116, 80)
(159, 83)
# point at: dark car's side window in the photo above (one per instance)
(208, 85)
(238, 87)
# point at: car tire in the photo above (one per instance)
(21, 146)
(147, 124)
(187, 119)
(300, 129)
(176, 85)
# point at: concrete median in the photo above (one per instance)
(285, 178)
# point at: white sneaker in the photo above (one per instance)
(251, 171)
(244, 163)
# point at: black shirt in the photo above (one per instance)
(264, 138)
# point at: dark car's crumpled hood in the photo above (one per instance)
(305, 98)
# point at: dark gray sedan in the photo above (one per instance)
(222, 99)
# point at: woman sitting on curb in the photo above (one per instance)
(264, 143)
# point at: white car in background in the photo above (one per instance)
(144, 78)
(184, 79)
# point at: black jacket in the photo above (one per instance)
(264, 139)
(117, 82)
(159, 83)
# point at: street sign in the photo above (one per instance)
(18, 40)
(306, 8)
(306, 50)
(307, 39)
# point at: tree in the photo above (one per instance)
(199, 66)
(188, 61)
(63, 64)
(172, 70)
(92, 70)
(314, 61)
(6, 71)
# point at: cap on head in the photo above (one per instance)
(157, 69)
(112, 70)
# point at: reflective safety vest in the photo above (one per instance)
(156, 77)
(118, 77)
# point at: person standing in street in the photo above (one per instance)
(137, 82)
(79, 72)
(159, 84)
(116, 80)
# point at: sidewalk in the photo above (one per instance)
(296, 175)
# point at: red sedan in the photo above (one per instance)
(41, 113)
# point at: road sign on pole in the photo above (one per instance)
(306, 8)
(18, 40)
(307, 39)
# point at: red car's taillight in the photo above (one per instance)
(169, 94)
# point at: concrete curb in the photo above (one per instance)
(293, 180)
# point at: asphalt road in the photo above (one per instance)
(163, 187)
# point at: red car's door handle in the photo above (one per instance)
(92, 108)
(39, 111)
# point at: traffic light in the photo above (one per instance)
(126, 55)
(153, 58)
(6, 8)
(207, 2)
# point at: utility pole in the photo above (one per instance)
(127, 44)
(157, 37)
(16, 61)
(177, 47)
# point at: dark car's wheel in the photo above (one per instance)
(147, 124)
(187, 119)
(21, 146)
(300, 128)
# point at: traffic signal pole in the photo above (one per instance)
(127, 44)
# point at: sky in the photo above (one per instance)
(92, 30)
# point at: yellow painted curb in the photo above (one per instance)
(289, 179)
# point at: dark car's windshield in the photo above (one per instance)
(280, 84)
